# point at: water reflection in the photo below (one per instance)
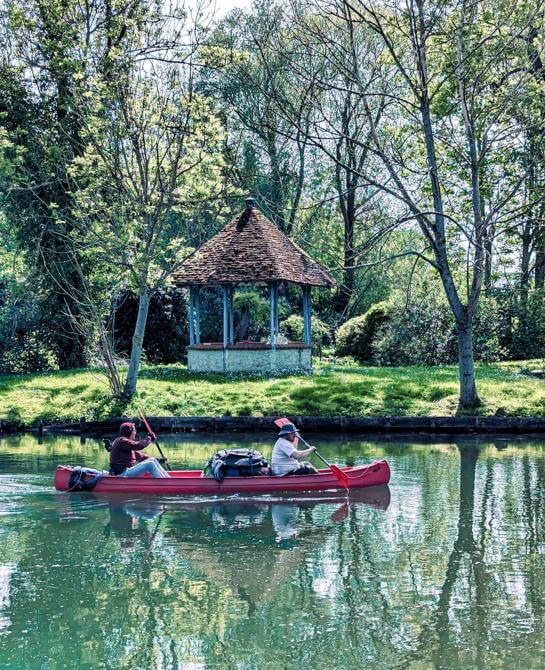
(445, 569)
(229, 514)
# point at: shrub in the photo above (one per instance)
(355, 337)
(251, 315)
(293, 328)
(167, 330)
(523, 320)
(425, 334)
(417, 335)
(27, 352)
(26, 339)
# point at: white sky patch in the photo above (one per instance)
(219, 8)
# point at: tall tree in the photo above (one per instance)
(152, 164)
(49, 49)
(440, 64)
(246, 70)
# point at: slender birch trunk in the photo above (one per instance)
(137, 343)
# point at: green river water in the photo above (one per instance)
(442, 569)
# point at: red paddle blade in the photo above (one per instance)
(281, 422)
(341, 476)
(340, 514)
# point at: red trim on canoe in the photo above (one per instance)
(192, 482)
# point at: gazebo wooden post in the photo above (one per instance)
(225, 325)
(273, 299)
(225, 317)
(231, 316)
(190, 315)
(276, 326)
(306, 315)
(197, 304)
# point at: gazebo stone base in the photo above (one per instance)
(256, 358)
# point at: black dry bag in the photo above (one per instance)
(236, 463)
(78, 481)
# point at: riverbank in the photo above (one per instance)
(514, 389)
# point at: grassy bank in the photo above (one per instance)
(513, 389)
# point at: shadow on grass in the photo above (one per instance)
(180, 375)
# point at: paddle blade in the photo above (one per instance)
(281, 422)
(340, 514)
(341, 476)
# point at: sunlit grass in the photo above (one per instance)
(513, 389)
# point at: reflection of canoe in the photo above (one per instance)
(377, 497)
(192, 482)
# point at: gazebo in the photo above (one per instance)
(250, 250)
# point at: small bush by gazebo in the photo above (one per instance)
(250, 250)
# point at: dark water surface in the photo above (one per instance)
(445, 568)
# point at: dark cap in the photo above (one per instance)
(287, 429)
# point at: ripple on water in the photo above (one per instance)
(17, 493)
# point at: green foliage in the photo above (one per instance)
(26, 342)
(424, 333)
(521, 318)
(117, 149)
(166, 335)
(355, 337)
(416, 335)
(293, 328)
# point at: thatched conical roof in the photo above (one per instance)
(251, 250)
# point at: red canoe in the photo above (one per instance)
(192, 482)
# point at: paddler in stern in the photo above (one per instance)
(125, 458)
(285, 455)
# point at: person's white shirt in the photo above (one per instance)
(282, 462)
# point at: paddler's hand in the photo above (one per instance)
(163, 461)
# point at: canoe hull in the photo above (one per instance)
(192, 482)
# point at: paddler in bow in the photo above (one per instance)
(125, 458)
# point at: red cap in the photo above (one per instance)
(125, 429)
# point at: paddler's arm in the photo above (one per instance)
(304, 452)
(142, 444)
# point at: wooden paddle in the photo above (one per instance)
(151, 434)
(339, 474)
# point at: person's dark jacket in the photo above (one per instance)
(125, 454)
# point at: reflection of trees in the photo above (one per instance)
(533, 500)
(465, 546)
(474, 619)
(450, 575)
(103, 600)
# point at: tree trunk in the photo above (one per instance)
(347, 290)
(488, 255)
(137, 344)
(540, 268)
(525, 260)
(468, 388)
(276, 197)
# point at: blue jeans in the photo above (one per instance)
(149, 465)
